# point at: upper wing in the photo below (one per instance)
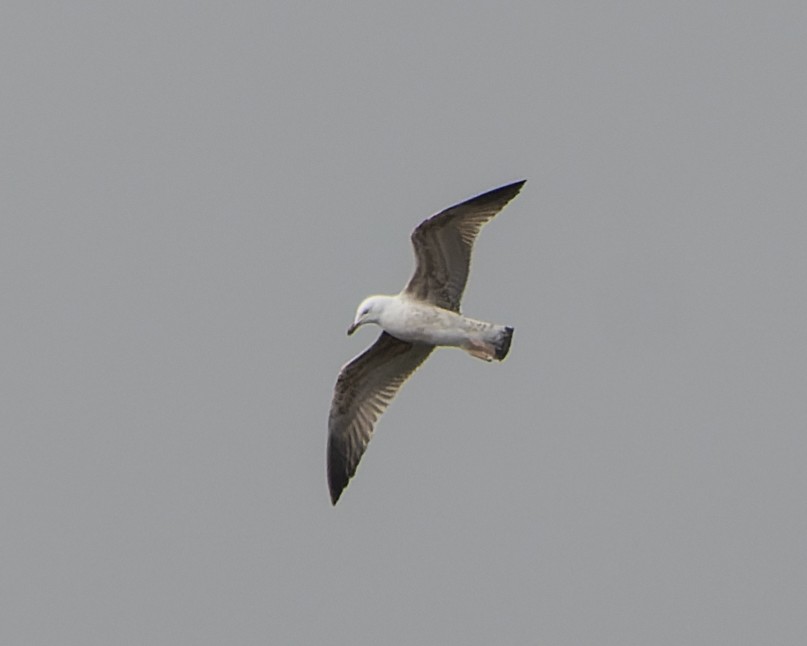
(363, 391)
(443, 245)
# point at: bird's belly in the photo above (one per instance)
(430, 336)
(432, 326)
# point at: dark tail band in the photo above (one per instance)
(503, 343)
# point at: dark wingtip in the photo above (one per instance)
(498, 197)
(337, 471)
(515, 187)
(503, 345)
(506, 192)
(336, 486)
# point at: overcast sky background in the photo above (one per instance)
(197, 195)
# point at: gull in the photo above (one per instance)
(424, 315)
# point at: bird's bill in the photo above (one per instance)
(353, 327)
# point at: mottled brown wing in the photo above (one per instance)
(363, 391)
(443, 246)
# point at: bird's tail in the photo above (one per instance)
(502, 343)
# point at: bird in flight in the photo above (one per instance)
(426, 314)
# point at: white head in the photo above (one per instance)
(368, 312)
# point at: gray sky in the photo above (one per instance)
(196, 196)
